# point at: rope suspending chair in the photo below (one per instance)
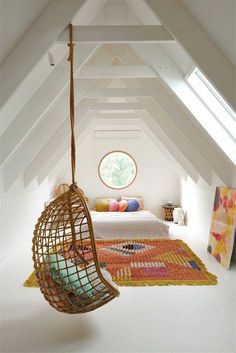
(64, 250)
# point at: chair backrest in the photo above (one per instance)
(61, 189)
(65, 257)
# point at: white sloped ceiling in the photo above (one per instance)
(34, 118)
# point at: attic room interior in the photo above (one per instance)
(118, 176)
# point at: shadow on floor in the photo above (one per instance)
(48, 331)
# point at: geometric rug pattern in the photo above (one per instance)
(149, 262)
(152, 262)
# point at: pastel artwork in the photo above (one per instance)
(222, 232)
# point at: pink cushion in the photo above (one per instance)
(123, 204)
(113, 206)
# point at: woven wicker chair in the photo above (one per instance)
(64, 251)
(61, 189)
(65, 257)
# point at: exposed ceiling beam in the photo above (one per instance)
(44, 162)
(149, 125)
(59, 148)
(183, 114)
(35, 43)
(156, 135)
(36, 141)
(40, 163)
(117, 34)
(115, 116)
(121, 51)
(40, 102)
(126, 71)
(62, 153)
(59, 143)
(33, 154)
(51, 161)
(104, 125)
(42, 70)
(125, 107)
(116, 93)
(180, 145)
(207, 56)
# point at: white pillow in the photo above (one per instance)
(92, 274)
(108, 277)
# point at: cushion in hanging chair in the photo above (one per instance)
(54, 292)
(69, 275)
(92, 274)
(64, 272)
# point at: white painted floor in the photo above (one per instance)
(200, 319)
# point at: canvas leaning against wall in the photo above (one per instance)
(222, 232)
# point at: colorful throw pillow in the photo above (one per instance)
(123, 204)
(133, 206)
(138, 198)
(113, 206)
(102, 205)
(68, 275)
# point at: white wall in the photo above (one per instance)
(156, 181)
(197, 200)
(233, 178)
(19, 209)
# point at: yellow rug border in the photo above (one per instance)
(32, 282)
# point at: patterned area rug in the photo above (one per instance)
(148, 262)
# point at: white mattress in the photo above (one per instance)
(139, 224)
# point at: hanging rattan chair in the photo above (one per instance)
(60, 189)
(64, 250)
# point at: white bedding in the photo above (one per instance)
(139, 224)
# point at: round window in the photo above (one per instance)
(117, 170)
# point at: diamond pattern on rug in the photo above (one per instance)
(152, 262)
(127, 248)
(146, 262)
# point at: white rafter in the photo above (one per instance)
(121, 107)
(133, 92)
(176, 109)
(57, 145)
(50, 90)
(207, 56)
(109, 71)
(37, 141)
(32, 83)
(35, 43)
(145, 100)
(50, 93)
(180, 146)
(118, 34)
(85, 127)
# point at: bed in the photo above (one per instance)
(139, 224)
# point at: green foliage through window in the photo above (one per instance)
(117, 170)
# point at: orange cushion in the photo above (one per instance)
(123, 204)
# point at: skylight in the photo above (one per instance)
(221, 120)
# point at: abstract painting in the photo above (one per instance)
(222, 232)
